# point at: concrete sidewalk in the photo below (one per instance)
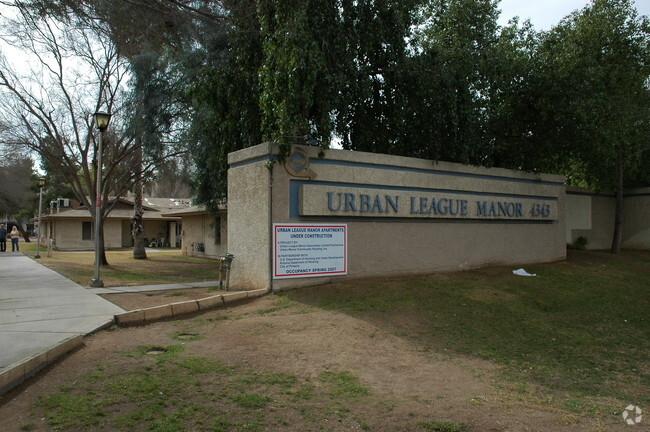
(159, 287)
(43, 315)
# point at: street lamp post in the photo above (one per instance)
(101, 121)
(41, 183)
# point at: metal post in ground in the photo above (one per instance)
(101, 121)
(41, 183)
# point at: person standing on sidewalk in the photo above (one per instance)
(3, 238)
(14, 235)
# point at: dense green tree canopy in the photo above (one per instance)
(438, 79)
(596, 64)
(595, 67)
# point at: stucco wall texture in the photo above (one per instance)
(261, 192)
(200, 229)
(636, 219)
(591, 215)
(67, 233)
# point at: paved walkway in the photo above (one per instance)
(43, 315)
(39, 308)
(145, 288)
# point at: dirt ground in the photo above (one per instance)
(140, 300)
(276, 334)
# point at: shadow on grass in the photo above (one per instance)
(580, 327)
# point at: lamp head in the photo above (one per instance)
(101, 120)
(41, 182)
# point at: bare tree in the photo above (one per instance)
(74, 71)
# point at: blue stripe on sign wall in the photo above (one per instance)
(294, 192)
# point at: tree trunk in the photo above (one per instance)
(22, 232)
(102, 247)
(618, 215)
(137, 225)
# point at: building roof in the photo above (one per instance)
(115, 214)
(153, 209)
(193, 211)
(163, 204)
(154, 204)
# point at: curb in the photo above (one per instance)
(158, 313)
(17, 373)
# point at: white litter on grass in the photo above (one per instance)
(522, 272)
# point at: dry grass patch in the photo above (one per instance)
(161, 266)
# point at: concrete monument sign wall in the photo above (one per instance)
(402, 216)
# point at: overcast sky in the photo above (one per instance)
(546, 13)
(543, 14)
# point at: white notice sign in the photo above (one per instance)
(309, 250)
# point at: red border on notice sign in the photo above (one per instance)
(278, 275)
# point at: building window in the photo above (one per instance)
(87, 231)
(217, 230)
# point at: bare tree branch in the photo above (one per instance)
(76, 71)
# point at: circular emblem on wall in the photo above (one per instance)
(297, 163)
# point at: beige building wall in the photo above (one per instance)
(590, 215)
(67, 234)
(127, 236)
(636, 219)
(578, 214)
(380, 245)
(67, 229)
(251, 186)
(199, 232)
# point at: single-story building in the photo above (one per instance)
(202, 234)
(73, 228)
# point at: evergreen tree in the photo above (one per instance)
(596, 103)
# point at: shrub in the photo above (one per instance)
(580, 243)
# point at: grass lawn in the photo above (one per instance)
(581, 327)
(574, 340)
(175, 392)
(161, 266)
